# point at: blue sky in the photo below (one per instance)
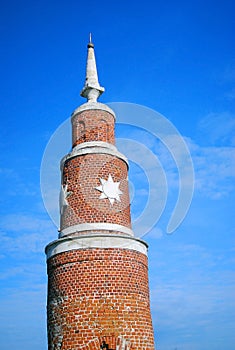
(176, 58)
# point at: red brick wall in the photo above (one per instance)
(92, 125)
(82, 175)
(95, 293)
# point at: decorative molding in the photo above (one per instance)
(65, 244)
(94, 106)
(95, 144)
(97, 147)
(94, 227)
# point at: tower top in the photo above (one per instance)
(92, 89)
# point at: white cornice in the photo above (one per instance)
(97, 147)
(93, 106)
(95, 144)
(95, 241)
(104, 226)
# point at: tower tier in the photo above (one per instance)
(99, 295)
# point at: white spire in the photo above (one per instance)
(92, 89)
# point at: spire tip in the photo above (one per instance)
(92, 89)
(90, 44)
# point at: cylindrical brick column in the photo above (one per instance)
(98, 293)
(92, 125)
(94, 169)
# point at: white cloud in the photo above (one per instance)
(18, 222)
(26, 234)
(10, 272)
(214, 170)
(213, 165)
(193, 289)
(18, 186)
(218, 129)
(155, 233)
(22, 317)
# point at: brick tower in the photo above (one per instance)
(98, 293)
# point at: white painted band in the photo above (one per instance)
(95, 241)
(94, 227)
(93, 105)
(95, 144)
(93, 148)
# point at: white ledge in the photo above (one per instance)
(95, 144)
(94, 106)
(95, 241)
(104, 226)
(93, 147)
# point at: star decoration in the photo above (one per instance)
(109, 189)
(64, 194)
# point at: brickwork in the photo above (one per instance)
(97, 274)
(92, 125)
(95, 293)
(82, 175)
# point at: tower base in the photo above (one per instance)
(98, 292)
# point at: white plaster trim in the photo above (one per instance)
(95, 144)
(96, 241)
(92, 150)
(93, 105)
(94, 227)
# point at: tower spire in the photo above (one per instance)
(92, 89)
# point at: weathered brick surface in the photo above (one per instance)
(82, 174)
(96, 294)
(92, 125)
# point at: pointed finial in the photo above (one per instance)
(92, 89)
(90, 44)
